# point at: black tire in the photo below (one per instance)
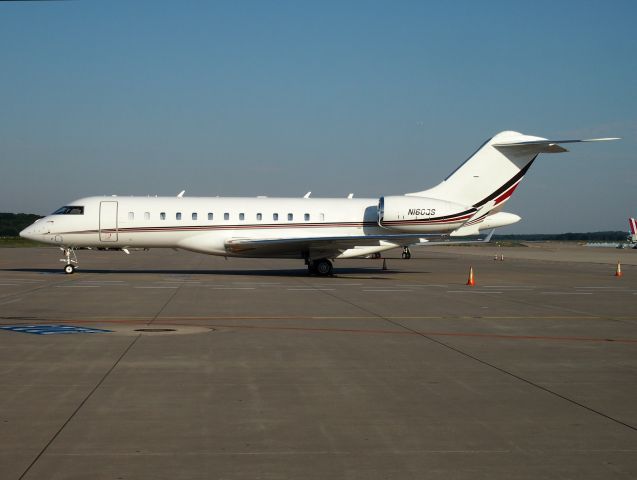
(69, 269)
(323, 267)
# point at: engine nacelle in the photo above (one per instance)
(421, 214)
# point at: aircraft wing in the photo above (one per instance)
(331, 246)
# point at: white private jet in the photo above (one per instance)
(317, 230)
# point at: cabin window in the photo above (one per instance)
(275, 217)
(306, 217)
(131, 216)
(194, 215)
(70, 210)
(178, 216)
(290, 217)
(162, 216)
(146, 215)
(209, 215)
(322, 217)
(242, 216)
(259, 217)
(226, 216)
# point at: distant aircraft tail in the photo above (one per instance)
(633, 229)
(489, 177)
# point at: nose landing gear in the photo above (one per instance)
(70, 259)
(406, 253)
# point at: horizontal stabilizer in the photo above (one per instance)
(548, 146)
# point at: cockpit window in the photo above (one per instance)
(69, 210)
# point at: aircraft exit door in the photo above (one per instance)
(108, 221)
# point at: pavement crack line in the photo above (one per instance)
(170, 298)
(484, 362)
(79, 407)
(165, 304)
(66, 280)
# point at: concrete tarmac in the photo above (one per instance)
(252, 369)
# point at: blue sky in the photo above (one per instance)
(278, 98)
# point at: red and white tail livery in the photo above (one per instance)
(316, 230)
(633, 229)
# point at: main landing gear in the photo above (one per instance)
(406, 253)
(321, 267)
(70, 259)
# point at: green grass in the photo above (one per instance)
(19, 242)
(492, 243)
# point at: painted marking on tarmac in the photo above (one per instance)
(23, 280)
(158, 287)
(524, 287)
(8, 284)
(104, 281)
(310, 289)
(137, 318)
(566, 293)
(52, 329)
(77, 286)
(470, 291)
(386, 290)
(233, 288)
(15, 300)
(434, 334)
(610, 288)
(180, 281)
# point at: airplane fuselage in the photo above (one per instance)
(206, 224)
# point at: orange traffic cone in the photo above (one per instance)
(471, 281)
(618, 271)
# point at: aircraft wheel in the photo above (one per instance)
(68, 269)
(323, 267)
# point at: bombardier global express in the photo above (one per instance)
(316, 230)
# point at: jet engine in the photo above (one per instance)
(421, 214)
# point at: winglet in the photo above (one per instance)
(181, 194)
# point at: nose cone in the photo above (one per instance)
(27, 232)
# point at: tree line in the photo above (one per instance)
(610, 236)
(12, 223)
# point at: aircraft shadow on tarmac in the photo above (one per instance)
(359, 272)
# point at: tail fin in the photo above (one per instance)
(633, 229)
(489, 177)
